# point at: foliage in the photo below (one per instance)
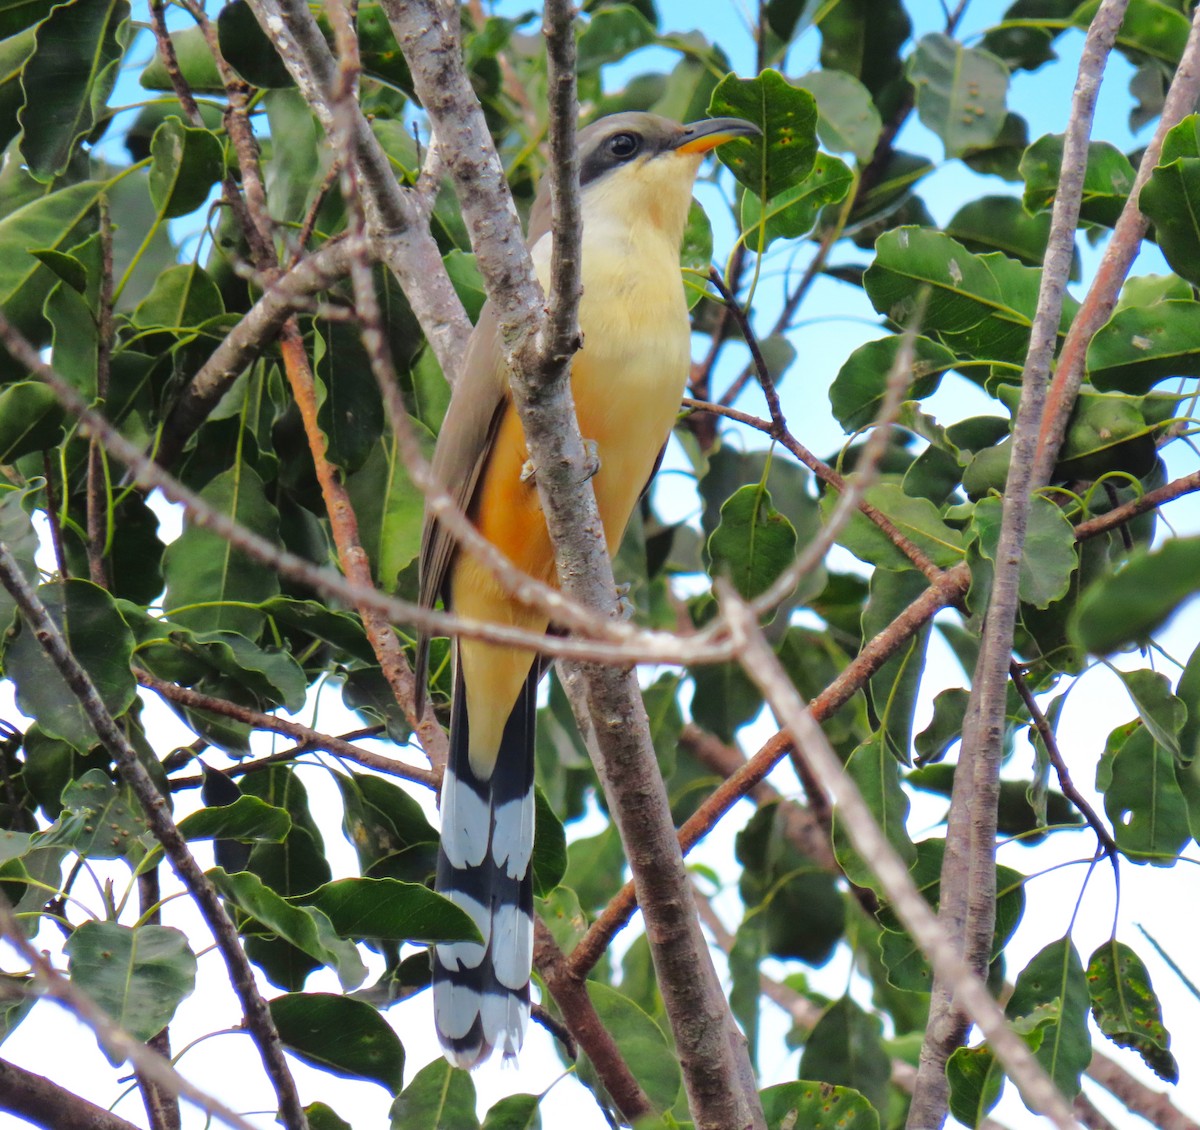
(122, 257)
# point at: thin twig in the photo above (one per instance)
(115, 1040)
(254, 1008)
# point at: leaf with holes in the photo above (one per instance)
(1127, 1009)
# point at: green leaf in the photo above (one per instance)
(1048, 559)
(351, 415)
(323, 1117)
(15, 50)
(1188, 690)
(1160, 711)
(817, 1106)
(754, 542)
(195, 61)
(341, 1035)
(960, 92)
(999, 223)
(976, 1080)
(55, 221)
(725, 698)
(18, 534)
(916, 518)
(68, 80)
(186, 164)
(848, 120)
(183, 297)
(98, 820)
(1129, 606)
(98, 638)
(1142, 345)
(794, 212)
(696, 252)
(1144, 802)
(247, 49)
(846, 1049)
(440, 1097)
(30, 420)
(945, 728)
(611, 34)
(1150, 27)
(203, 569)
(516, 1112)
(787, 116)
(390, 910)
(549, 847)
(390, 509)
(1127, 1009)
(1055, 977)
(387, 828)
(247, 819)
(641, 1043)
(137, 975)
(306, 928)
(876, 772)
(857, 393)
(1107, 181)
(1171, 200)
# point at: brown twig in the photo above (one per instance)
(254, 1008)
(44, 1103)
(307, 738)
(571, 995)
(115, 1040)
(1154, 1106)
(1118, 257)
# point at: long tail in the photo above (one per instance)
(481, 992)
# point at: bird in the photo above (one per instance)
(636, 172)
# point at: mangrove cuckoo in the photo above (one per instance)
(635, 174)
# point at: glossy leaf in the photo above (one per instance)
(97, 636)
(1142, 345)
(1160, 711)
(794, 212)
(1107, 182)
(247, 48)
(68, 80)
(845, 1048)
(857, 393)
(875, 771)
(960, 92)
(137, 975)
(30, 420)
(209, 583)
(195, 62)
(976, 1080)
(390, 910)
(98, 820)
(847, 119)
(516, 1112)
(438, 1097)
(1048, 560)
(247, 819)
(341, 1035)
(1127, 607)
(186, 164)
(1150, 27)
(306, 928)
(787, 116)
(916, 518)
(1126, 1008)
(1055, 977)
(753, 544)
(1144, 802)
(817, 1106)
(641, 1043)
(999, 223)
(549, 847)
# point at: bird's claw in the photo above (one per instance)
(528, 471)
(591, 458)
(625, 606)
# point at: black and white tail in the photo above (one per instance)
(481, 992)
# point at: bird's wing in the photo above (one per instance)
(464, 442)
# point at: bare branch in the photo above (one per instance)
(307, 738)
(1118, 257)
(940, 948)
(1154, 1106)
(967, 901)
(255, 1011)
(45, 1103)
(114, 1039)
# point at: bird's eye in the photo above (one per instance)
(623, 145)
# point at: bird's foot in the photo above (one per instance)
(591, 458)
(625, 606)
(528, 471)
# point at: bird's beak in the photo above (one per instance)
(700, 137)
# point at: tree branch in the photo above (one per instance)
(967, 900)
(255, 1011)
(45, 1103)
(1154, 1106)
(762, 665)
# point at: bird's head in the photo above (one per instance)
(641, 167)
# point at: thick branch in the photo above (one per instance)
(254, 1008)
(967, 901)
(44, 1103)
(1154, 1106)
